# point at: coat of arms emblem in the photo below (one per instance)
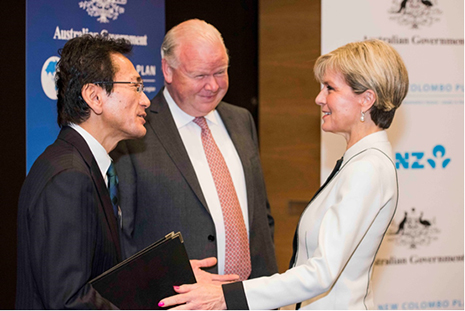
(106, 10)
(415, 13)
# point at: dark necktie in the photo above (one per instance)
(237, 252)
(113, 188)
(294, 243)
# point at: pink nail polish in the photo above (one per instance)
(161, 304)
(176, 287)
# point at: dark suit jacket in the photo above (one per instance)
(160, 193)
(67, 232)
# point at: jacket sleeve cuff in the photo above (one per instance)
(234, 296)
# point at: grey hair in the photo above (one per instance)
(193, 30)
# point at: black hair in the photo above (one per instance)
(84, 60)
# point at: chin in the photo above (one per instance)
(142, 132)
(138, 133)
(324, 128)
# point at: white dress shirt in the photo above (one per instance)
(99, 153)
(191, 137)
(339, 234)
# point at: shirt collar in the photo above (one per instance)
(365, 143)
(99, 153)
(180, 117)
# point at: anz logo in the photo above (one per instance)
(417, 160)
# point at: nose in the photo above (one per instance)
(321, 98)
(144, 101)
(211, 84)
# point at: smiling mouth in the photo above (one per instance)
(209, 97)
(327, 113)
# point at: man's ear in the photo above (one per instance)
(368, 98)
(167, 71)
(93, 96)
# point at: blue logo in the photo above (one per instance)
(47, 77)
(415, 160)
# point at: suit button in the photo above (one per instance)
(211, 238)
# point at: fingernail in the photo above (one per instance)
(176, 287)
(161, 304)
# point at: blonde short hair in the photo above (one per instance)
(370, 65)
(193, 30)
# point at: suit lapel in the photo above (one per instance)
(161, 122)
(240, 137)
(72, 137)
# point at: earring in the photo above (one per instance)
(362, 118)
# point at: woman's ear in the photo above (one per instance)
(93, 96)
(368, 99)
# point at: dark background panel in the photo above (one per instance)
(236, 20)
(12, 133)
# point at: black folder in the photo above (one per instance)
(148, 276)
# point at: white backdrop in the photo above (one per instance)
(420, 263)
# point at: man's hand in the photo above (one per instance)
(205, 277)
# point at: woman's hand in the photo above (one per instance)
(206, 294)
(196, 297)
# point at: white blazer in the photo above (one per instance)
(339, 234)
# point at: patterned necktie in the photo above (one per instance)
(294, 243)
(113, 187)
(237, 259)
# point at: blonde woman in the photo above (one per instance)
(341, 229)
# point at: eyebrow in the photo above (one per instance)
(327, 81)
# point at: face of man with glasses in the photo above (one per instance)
(124, 111)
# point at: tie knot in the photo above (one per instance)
(111, 171)
(339, 163)
(113, 187)
(200, 121)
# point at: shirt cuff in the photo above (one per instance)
(234, 296)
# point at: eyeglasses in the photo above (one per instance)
(139, 85)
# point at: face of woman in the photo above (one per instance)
(340, 106)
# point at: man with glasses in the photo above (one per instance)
(68, 214)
